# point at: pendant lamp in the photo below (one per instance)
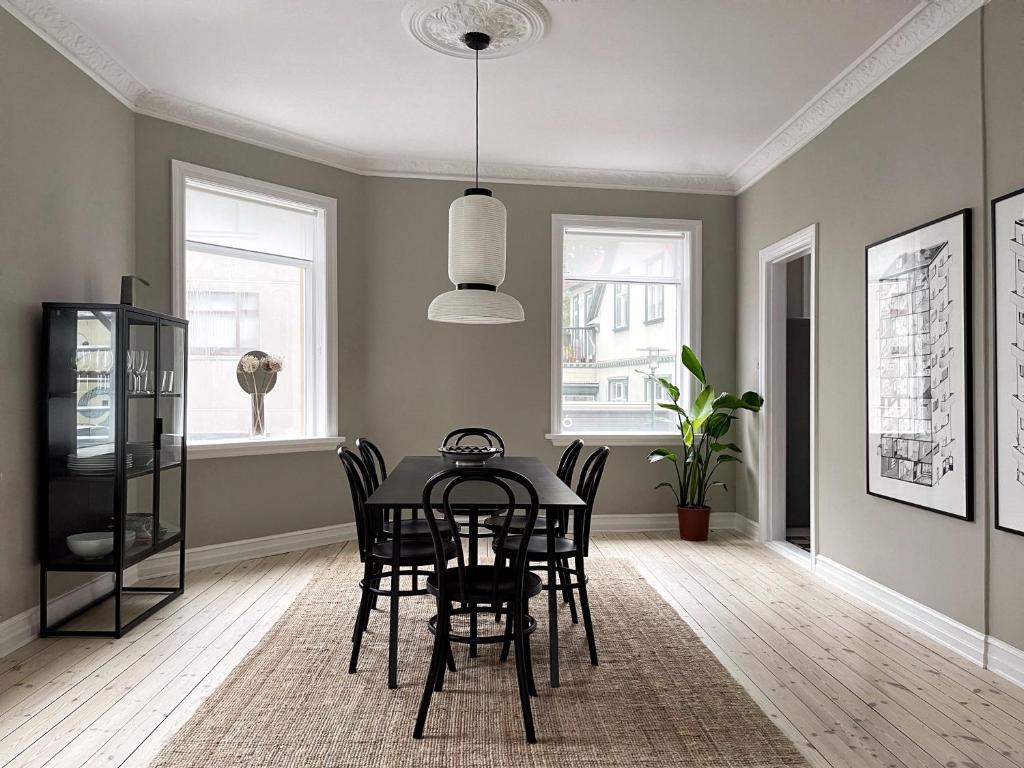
(476, 244)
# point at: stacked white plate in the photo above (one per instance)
(95, 460)
(141, 454)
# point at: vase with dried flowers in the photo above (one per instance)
(257, 374)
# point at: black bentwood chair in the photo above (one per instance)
(384, 556)
(472, 587)
(555, 551)
(566, 468)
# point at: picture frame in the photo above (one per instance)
(1008, 402)
(918, 367)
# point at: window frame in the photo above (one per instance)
(325, 308)
(615, 381)
(689, 321)
(616, 324)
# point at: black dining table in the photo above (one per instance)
(403, 489)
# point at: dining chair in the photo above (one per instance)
(474, 587)
(566, 468)
(377, 472)
(462, 434)
(565, 471)
(555, 551)
(385, 556)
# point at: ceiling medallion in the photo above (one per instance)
(512, 25)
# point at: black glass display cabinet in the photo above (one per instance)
(112, 479)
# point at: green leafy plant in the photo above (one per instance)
(703, 429)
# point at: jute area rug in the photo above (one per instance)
(658, 698)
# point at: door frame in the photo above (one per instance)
(771, 382)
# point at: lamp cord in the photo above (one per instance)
(478, 118)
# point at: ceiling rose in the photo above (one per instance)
(512, 25)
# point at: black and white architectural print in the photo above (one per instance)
(1008, 252)
(918, 367)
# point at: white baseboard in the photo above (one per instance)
(939, 627)
(166, 562)
(24, 627)
(1006, 661)
(668, 521)
(791, 551)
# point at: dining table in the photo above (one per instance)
(403, 490)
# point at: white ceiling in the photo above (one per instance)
(646, 86)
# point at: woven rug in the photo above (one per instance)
(658, 698)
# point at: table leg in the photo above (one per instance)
(553, 620)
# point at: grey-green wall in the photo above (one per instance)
(403, 380)
(912, 150)
(454, 375)
(66, 234)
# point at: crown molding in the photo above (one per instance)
(74, 44)
(925, 24)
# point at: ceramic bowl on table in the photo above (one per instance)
(94, 544)
(469, 455)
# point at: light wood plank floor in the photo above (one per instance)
(849, 685)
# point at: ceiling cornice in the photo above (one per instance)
(927, 22)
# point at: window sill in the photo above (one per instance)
(219, 449)
(653, 440)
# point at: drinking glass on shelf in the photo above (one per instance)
(132, 384)
(166, 381)
(144, 374)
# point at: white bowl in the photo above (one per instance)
(95, 544)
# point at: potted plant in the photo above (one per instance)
(703, 429)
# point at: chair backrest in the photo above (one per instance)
(489, 436)
(359, 486)
(377, 470)
(590, 481)
(567, 464)
(506, 481)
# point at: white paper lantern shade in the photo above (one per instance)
(476, 264)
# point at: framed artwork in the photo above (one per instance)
(918, 366)
(1008, 255)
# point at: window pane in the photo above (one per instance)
(236, 305)
(235, 220)
(597, 252)
(603, 384)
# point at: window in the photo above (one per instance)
(654, 293)
(253, 271)
(618, 390)
(654, 391)
(601, 361)
(621, 306)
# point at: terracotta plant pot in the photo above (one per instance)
(693, 523)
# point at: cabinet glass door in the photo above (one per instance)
(172, 413)
(82, 417)
(140, 425)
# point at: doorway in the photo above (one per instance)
(787, 472)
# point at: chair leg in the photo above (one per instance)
(508, 633)
(396, 583)
(588, 624)
(436, 662)
(532, 687)
(524, 688)
(442, 668)
(567, 595)
(553, 622)
(362, 616)
(378, 568)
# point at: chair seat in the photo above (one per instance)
(537, 548)
(419, 528)
(517, 525)
(480, 584)
(412, 551)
